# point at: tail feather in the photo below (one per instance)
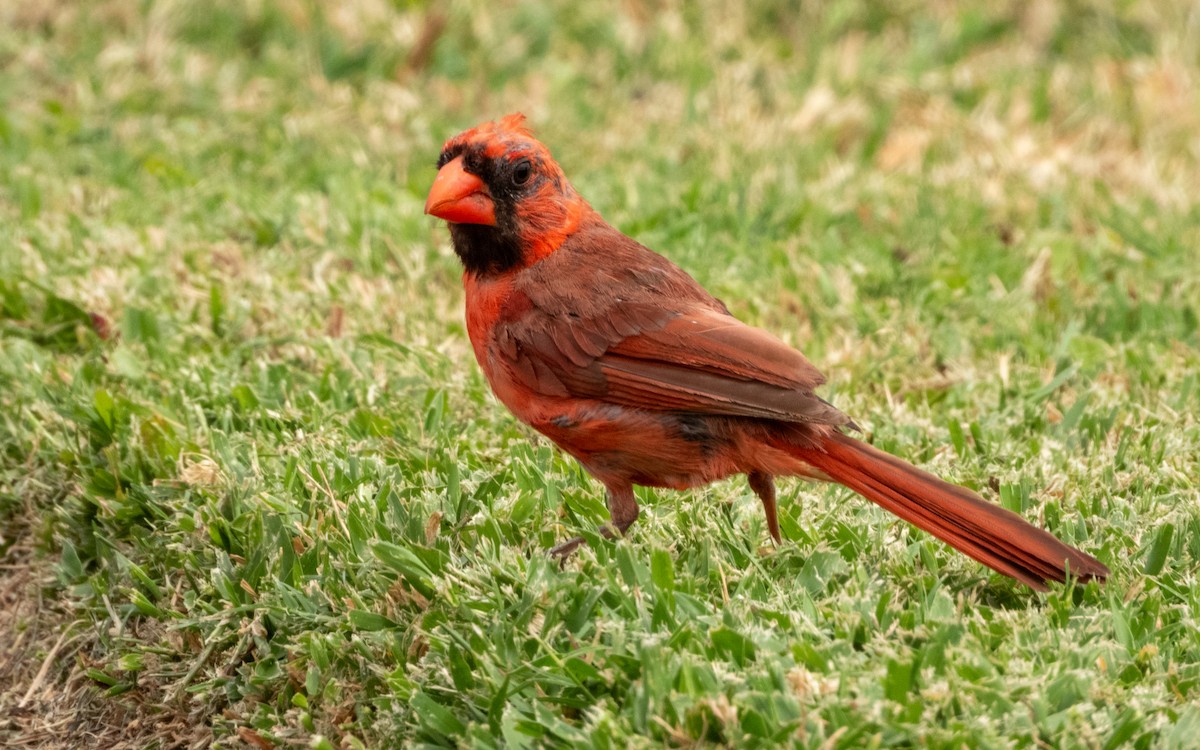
(994, 536)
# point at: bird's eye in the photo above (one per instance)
(522, 171)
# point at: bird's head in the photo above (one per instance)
(506, 200)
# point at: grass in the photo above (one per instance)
(254, 491)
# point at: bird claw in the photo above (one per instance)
(567, 548)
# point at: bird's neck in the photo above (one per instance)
(492, 250)
(486, 250)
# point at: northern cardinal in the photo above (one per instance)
(628, 364)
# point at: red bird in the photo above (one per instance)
(625, 362)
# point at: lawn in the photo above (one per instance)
(255, 493)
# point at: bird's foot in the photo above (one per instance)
(567, 548)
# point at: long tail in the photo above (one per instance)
(998, 538)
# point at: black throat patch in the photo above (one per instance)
(485, 249)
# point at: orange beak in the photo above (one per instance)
(460, 197)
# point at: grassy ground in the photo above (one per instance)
(254, 491)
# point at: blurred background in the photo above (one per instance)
(232, 137)
(244, 444)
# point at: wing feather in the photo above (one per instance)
(636, 330)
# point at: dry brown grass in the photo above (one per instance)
(47, 701)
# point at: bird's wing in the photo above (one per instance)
(627, 327)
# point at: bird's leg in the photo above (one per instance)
(622, 508)
(764, 486)
(622, 512)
